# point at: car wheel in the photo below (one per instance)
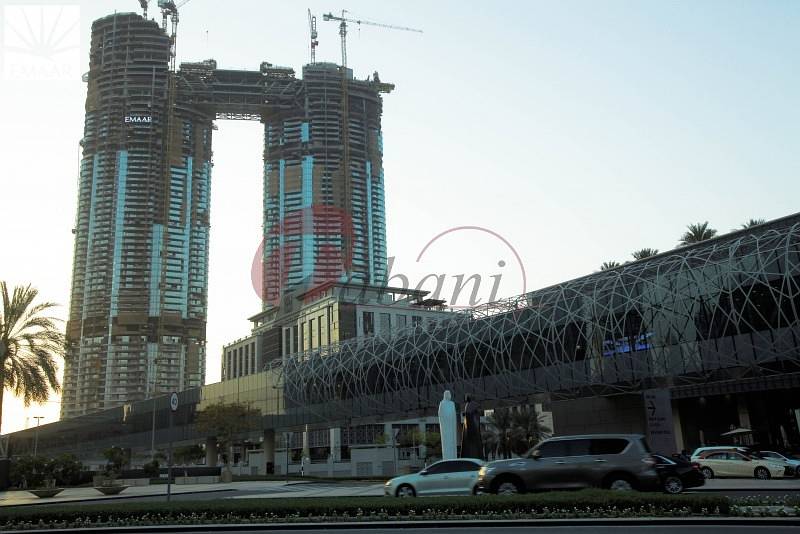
(619, 483)
(406, 491)
(508, 487)
(707, 472)
(673, 485)
(762, 473)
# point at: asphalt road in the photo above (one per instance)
(649, 529)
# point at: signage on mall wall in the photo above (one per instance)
(660, 426)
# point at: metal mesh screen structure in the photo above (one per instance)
(725, 309)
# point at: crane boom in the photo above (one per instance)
(343, 29)
(331, 16)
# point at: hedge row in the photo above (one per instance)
(587, 503)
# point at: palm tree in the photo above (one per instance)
(609, 265)
(29, 346)
(529, 429)
(753, 222)
(643, 253)
(696, 233)
(500, 425)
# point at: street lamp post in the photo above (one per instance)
(36, 434)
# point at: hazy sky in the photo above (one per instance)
(573, 131)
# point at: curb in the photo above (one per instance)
(43, 502)
(444, 524)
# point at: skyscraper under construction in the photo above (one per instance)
(139, 285)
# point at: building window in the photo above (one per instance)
(330, 322)
(319, 331)
(402, 321)
(369, 323)
(416, 320)
(386, 324)
(311, 333)
(302, 338)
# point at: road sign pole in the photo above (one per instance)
(173, 407)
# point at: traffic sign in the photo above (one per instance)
(173, 401)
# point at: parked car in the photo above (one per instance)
(698, 452)
(676, 475)
(790, 460)
(737, 464)
(447, 477)
(614, 461)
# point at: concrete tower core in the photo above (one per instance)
(139, 285)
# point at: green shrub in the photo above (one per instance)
(587, 503)
(151, 469)
(66, 469)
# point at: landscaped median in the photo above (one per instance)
(554, 505)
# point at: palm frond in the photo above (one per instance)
(32, 344)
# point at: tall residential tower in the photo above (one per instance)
(139, 284)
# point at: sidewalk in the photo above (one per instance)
(21, 497)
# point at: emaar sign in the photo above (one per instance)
(138, 119)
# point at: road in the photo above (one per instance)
(597, 529)
(277, 489)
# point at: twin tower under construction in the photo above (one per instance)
(137, 322)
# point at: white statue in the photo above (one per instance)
(447, 427)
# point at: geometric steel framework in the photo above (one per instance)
(724, 309)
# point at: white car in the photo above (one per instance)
(447, 477)
(698, 452)
(735, 464)
(789, 460)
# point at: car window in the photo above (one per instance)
(736, 456)
(770, 454)
(439, 467)
(553, 449)
(578, 447)
(464, 465)
(608, 446)
(717, 456)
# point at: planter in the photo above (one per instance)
(111, 490)
(44, 493)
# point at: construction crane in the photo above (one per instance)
(312, 26)
(343, 29)
(170, 9)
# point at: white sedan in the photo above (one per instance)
(447, 477)
(735, 464)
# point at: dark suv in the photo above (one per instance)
(614, 461)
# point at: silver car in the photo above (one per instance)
(614, 461)
(447, 477)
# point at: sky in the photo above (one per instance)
(525, 141)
